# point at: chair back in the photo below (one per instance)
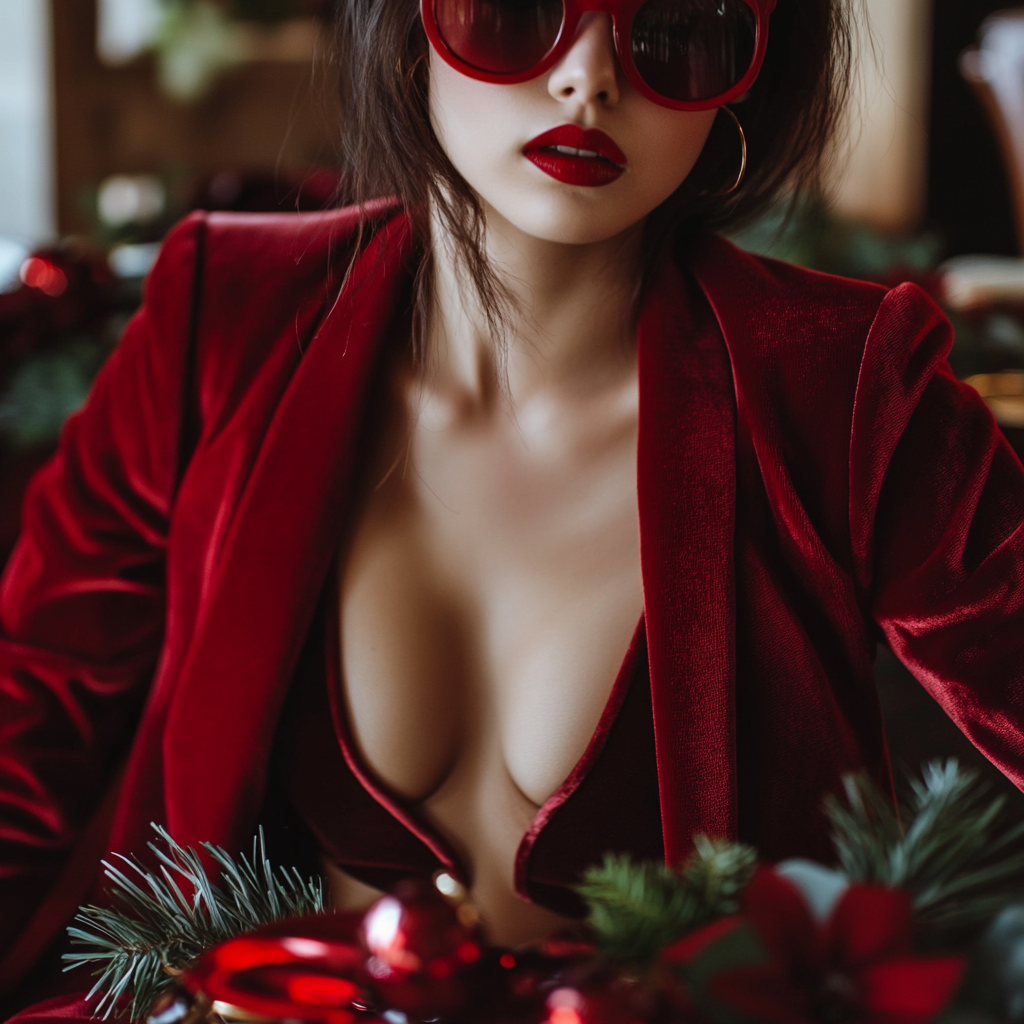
(995, 70)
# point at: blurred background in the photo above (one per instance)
(119, 116)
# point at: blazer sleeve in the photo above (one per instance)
(82, 598)
(937, 519)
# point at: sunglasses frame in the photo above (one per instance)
(622, 13)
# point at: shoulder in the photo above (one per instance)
(262, 257)
(784, 323)
(827, 371)
(245, 294)
(780, 305)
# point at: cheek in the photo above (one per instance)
(470, 119)
(670, 142)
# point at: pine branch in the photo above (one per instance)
(718, 872)
(639, 909)
(952, 853)
(160, 922)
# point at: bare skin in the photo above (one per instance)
(492, 583)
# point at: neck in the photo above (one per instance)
(570, 326)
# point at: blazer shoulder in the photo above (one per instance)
(251, 257)
(782, 319)
(800, 304)
(814, 309)
(284, 252)
(255, 287)
(278, 247)
(815, 355)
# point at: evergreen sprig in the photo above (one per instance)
(639, 909)
(949, 846)
(159, 922)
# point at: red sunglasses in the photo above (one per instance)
(683, 54)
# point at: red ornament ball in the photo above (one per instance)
(422, 955)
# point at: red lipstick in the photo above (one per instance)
(577, 156)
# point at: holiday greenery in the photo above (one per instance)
(949, 846)
(157, 925)
(721, 940)
(636, 910)
(197, 40)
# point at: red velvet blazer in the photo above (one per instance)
(811, 479)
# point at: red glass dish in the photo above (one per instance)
(309, 969)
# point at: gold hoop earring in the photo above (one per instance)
(743, 159)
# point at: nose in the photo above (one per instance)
(588, 73)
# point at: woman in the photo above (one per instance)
(363, 515)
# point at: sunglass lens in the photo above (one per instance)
(693, 50)
(503, 37)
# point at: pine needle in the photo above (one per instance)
(953, 851)
(639, 909)
(154, 928)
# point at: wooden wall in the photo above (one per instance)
(115, 121)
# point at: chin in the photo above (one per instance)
(569, 220)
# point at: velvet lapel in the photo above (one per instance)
(285, 532)
(686, 482)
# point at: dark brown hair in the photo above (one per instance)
(789, 117)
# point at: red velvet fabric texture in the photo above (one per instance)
(811, 478)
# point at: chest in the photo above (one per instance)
(488, 593)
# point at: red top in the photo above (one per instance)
(609, 802)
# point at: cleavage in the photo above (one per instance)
(440, 682)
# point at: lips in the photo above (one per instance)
(577, 156)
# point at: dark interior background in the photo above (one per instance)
(968, 197)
